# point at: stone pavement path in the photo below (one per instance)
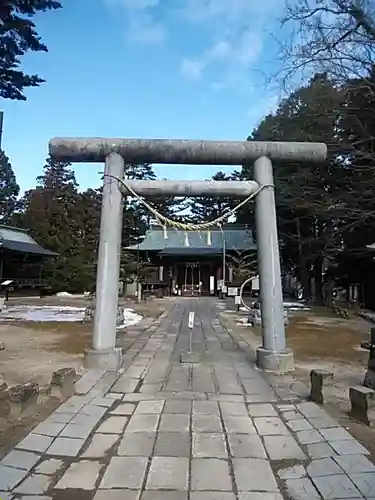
(161, 430)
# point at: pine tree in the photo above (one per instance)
(144, 171)
(18, 35)
(243, 263)
(205, 208)
(307, 195)
(9, 189)
(88, 209)
(50, 213)
(56, 194)
(134, 210)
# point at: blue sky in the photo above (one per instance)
(189, 69)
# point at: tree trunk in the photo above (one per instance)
(304, 276)
(318, 275)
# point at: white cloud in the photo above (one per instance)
(231, 32)
(143, 28)
(192, 68)
(134, 4)
(232, 12)
(228, 54)
(243, 50)
(142, 25)
(235, 30)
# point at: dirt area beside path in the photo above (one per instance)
(316, 336)
(35, 349)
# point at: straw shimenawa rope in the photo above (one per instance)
(166, 221)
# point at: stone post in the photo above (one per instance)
(317, 378)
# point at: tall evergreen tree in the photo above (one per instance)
(50, 212)
(87, 213)
(308, 197)
(355, 263)
(18, 35)
(9, 189)
(168, 206)
(143, 171)
(206, 208)
(68, 221)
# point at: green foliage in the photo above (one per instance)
(205, 208)
(307, 196)
(9, 189)
(243, 263)
(168, 206)
(134, 266)
(326, 212)
(67, 221)
(49, 212)
(128, 266)
(18, 35)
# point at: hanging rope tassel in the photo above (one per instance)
(186, 243)
(165, 232)
(209, 240)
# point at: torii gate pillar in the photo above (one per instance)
(273, 355)
(104, 353)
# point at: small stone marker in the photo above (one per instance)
(190, 356)
(62, 383)
(89, 313)
(4, 398)
(317, 378)
(3, 389)
(21, 396)
(361, 399)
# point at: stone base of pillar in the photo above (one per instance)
(277, 362)
(103, 359)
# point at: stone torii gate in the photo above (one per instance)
(116, 153)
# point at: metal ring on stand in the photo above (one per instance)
(241, 291)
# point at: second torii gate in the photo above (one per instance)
(116, 153)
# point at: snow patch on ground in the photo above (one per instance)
(130, 318)
(43, 313)
(58, 314)
(296, 306)
(289, 306)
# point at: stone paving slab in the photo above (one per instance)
(209, 431)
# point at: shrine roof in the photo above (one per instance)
(175, 241)
(18, 240)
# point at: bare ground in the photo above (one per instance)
(34, 350)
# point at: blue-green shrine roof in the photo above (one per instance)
(18, 240)
(174, 241)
